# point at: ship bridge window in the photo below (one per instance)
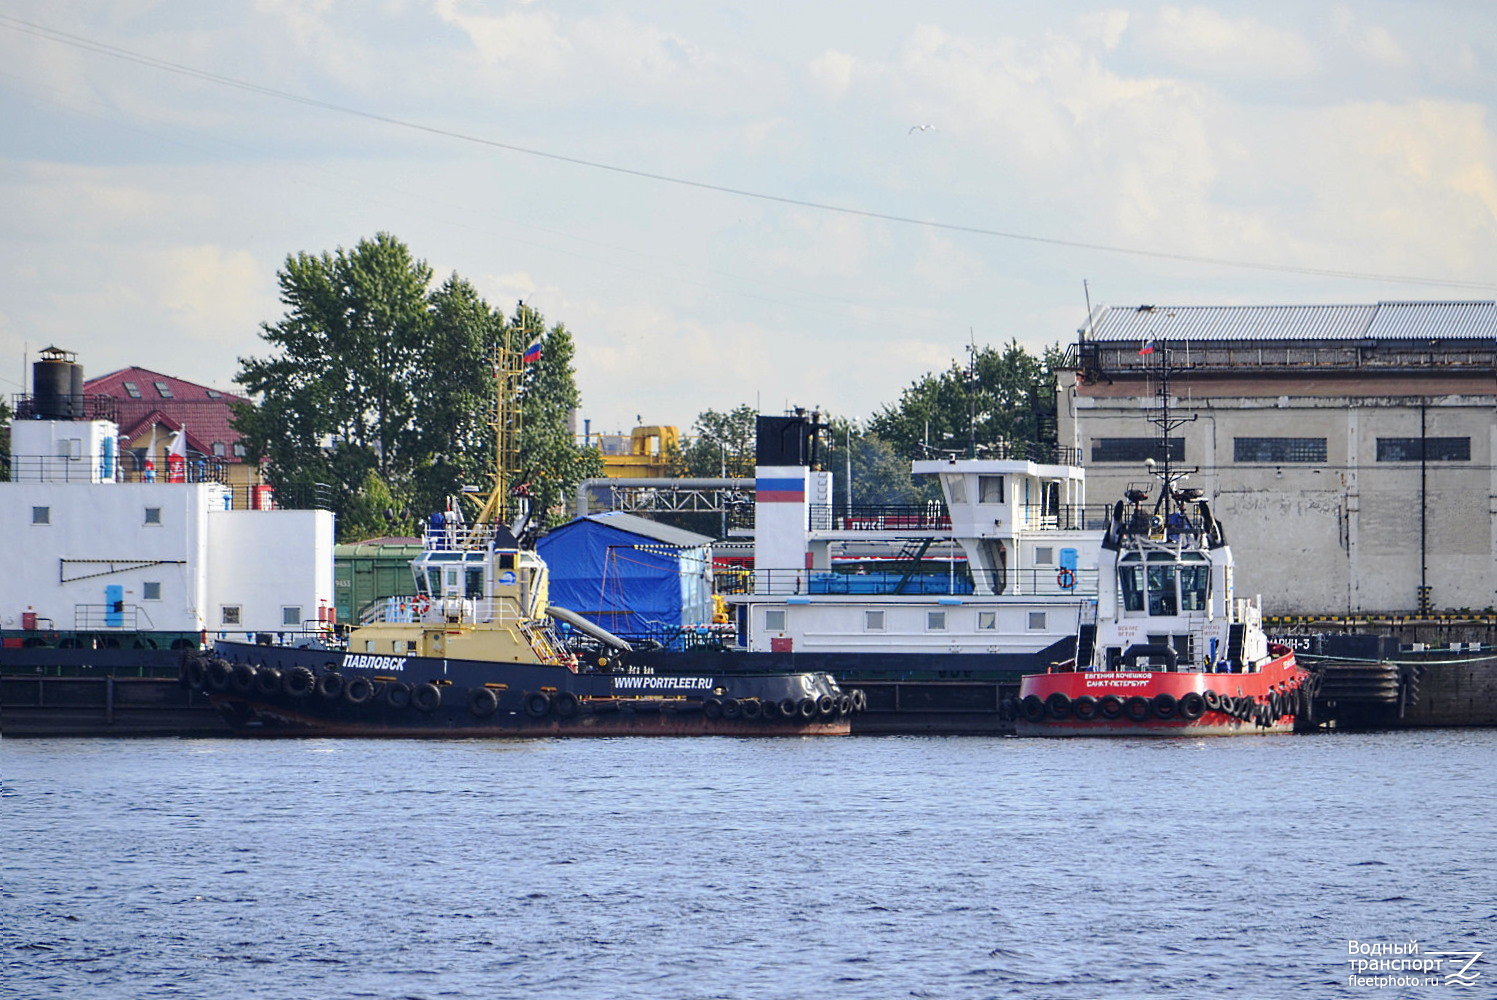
(291, 615)
(473, 582)
(1131, 582)
(1195, 586)
(990, 489)
(1162, 597)
(774, 620)
(433, 581)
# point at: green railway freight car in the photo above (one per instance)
(370, 571)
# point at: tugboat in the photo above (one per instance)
(1167, 649)
(480, 652)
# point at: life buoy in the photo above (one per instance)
(426, 697)
(421, 605)
(1084, 707)
(1192, 705)
(482, 701)
(1066, 579)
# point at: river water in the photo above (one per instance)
(779, 868)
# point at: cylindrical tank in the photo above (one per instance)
(57, 386)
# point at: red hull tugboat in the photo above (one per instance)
(1167, 650)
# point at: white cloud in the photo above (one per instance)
(833, 72)
(1207, 42)
(1373, 42)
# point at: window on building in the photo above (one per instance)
(132, 389)
(219, 450)
(987, 621)
(774, 620)
(1135, 449)
(1044, 555)
(230, 614)
(215, 394)
(164, 389)
(956, 485)
(291, 615)
(990, 489)
(150, 591)
(41, 515)
(1429, 449)
(239, 449)
(873, 621)
(153, 515)
(1037, 621)
(935, 621)
(1278, 449)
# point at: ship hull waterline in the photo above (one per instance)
(279, 691)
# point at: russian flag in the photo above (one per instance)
(768, 490)
(1148, 347)
(532, 354)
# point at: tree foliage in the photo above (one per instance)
(1003, 399)
(380, 386)
(5, 416)
(721, 444)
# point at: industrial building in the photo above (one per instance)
(1349, 447)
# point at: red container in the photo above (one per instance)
(28, 619)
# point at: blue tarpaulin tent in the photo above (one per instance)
(633, 576)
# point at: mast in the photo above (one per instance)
(1166, 423)
(508, 372)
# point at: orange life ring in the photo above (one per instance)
(421, 605)
(1066, 578)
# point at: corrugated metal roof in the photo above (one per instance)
(665, 533)
(1383, 321)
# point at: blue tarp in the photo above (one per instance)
(629, 583)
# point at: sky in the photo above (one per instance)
(773, 203)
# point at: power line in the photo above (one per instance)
(102, 48)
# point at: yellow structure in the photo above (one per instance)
(645, 454)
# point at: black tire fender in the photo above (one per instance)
(1192, 705)
(538, 704)
(1166, 705)
(1137, 708)
(426, 697)
(483, 702)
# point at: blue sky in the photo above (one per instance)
(1264, 152)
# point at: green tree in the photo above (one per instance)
(5, 417)
(374, 370)
(551, 463)
(373, 512)
(721, 443)
(1002, 403)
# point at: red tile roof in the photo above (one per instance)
(203, 410)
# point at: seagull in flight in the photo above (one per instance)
(920, 128)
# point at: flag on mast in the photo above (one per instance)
(532, 353)
(176, 457)
(1148, 346)
(148, 473)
